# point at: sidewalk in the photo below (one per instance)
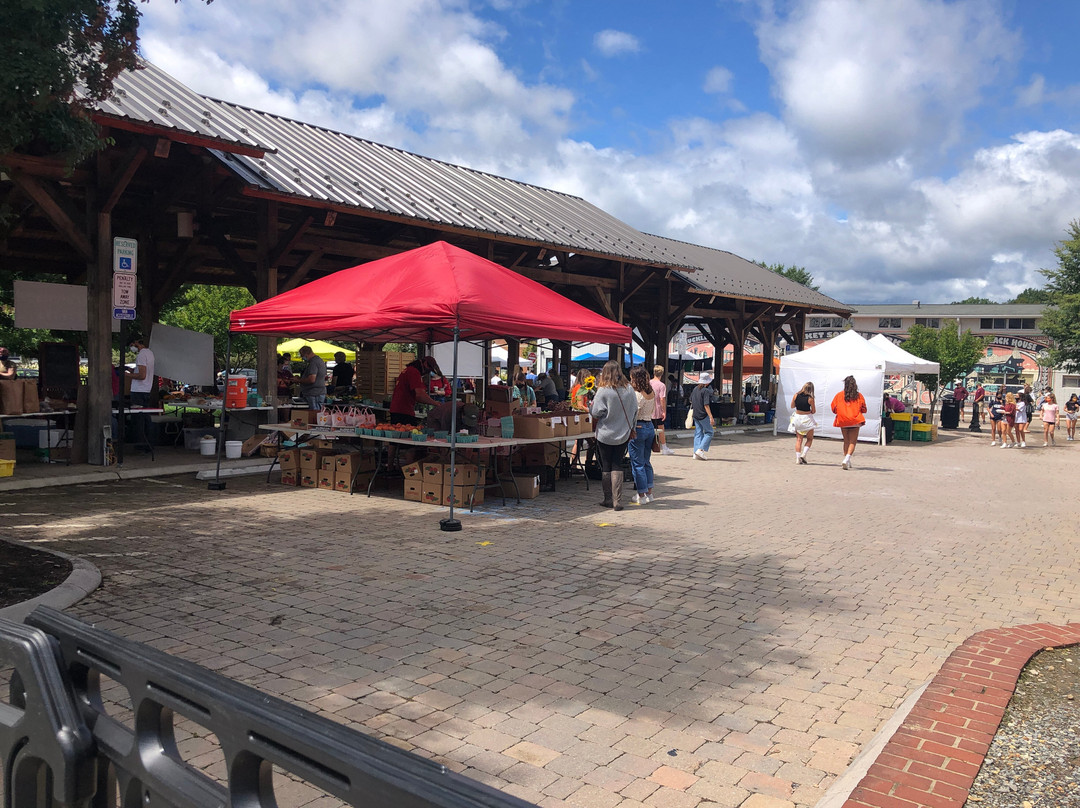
(735, 643)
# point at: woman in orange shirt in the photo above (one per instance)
(849, 407)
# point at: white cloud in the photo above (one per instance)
(615, 43)
(718, 80)
(870, 81)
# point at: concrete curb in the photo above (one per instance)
(83, 580)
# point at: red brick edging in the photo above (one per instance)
(932, 759)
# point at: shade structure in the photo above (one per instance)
(899, 356)
(753, 364)
(321, 349)
(431, 294)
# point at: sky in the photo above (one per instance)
(898, 150)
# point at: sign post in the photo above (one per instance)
(125, 290)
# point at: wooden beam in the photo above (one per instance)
(301, 271)
(605, 304)
(221, 144)
(132, 160)
(289, 240)
(48, 168)
(640, 285)
(57, 211)
(556, 278)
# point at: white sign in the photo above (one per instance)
(123, 290)
(125, 254)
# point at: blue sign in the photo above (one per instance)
(123, 314)
(124, 263)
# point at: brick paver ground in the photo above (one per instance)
(735, 643)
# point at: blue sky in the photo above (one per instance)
(897, 149)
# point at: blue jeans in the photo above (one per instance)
(316, 402)
(641, 457)
(703, 431)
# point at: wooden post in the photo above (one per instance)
(99, 329)
(266, 282)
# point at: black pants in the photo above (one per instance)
(611, 456)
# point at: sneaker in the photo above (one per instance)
(1023, 444)
(639, 499)
(1045, 443)
(648, 499)
(700, 455)
(798, 459)
(803, 461)
(666, 450)
(993, 443)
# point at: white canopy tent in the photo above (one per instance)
(898, 354)
(827, 365)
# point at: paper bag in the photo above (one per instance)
(30, 401)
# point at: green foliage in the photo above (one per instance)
(1034, 296)
(51, 49)
(956, 354)
(973, 301)
(1065, 278)
(1061, 323)
(792, 273)
(206, 309)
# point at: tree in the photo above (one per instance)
(206, 309)
(1061, 323)
(1036, 296)
(52, 49)
(973, 301)
(956, 354)
(792, 273)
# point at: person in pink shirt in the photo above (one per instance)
(660, 413)
(1049, 418)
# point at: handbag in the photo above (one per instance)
(656, 441)
(690, 418)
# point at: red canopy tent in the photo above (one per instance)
(752, 365)
(430, 294)
(437, 293)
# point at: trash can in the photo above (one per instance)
(950, 414)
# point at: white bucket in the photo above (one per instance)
(232, 449)
(207, 446)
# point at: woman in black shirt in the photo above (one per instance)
(342, 375)
(802, 422)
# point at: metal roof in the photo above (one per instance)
(319, 164)
(948, 310)
(728, 275)
(328, 166)
(152, 96)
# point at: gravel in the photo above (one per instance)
(1034, 760)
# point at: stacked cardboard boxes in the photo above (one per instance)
(430, 481)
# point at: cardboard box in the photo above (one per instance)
(355, 461)
(433, 472)
(501, 409)
(301, 417)
(346, 481)
(290, 477)
(499, 393)
(322, 443)
(326, 479)
(289, 459)
(413, 490)
(328, 463)
(312, 458)
(431, 493)
(7, 448)
(585, 423)
(527, 487)
(252, 444)
(461, 495)
(540, 454)
(533, 426)
(559, 426)
(309, 478)
(412, 471)
(464, 474)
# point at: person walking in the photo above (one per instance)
(1049, 413)
(642, 438)
(660, 412)
(849, 407)
(1072, 411)
(997, 419)
(1021, 418)
(700, 399)
(802, 422)
(1010, 436)
(613, 410)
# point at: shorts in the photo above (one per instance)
(1071, 416)
(802, 423)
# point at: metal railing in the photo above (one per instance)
(60, 745)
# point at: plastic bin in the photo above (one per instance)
(207, 446)
(233, 448)
(922, 432)
(902, 430)
(7, 468)
(192, 436)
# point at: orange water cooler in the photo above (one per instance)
(236, 393)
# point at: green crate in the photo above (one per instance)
(922, 432)
(902, 430)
